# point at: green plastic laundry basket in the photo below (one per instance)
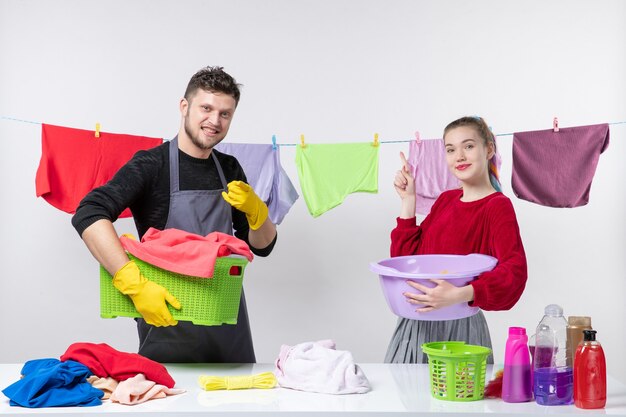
(457, 370)
(205, 301)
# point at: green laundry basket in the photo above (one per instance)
(457, 370)
(204, 301)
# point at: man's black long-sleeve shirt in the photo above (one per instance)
(143, 185)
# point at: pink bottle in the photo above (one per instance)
(516, 380)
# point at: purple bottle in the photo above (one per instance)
(516, 380)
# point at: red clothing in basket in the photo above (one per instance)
(486, 226)
(183, 252)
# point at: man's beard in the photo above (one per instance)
(196, 141)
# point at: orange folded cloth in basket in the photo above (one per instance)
(183, 252)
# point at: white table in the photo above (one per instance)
(396, 390)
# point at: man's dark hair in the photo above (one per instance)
(215, 80)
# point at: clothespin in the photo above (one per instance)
(555, 124)
(97, 130)
(418, 140)
(302, 144)
(375, 140)
(274, 142)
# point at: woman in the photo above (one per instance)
(477, 218)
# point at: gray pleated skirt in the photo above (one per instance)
(407, 340)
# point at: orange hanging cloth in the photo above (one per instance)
(74, 161)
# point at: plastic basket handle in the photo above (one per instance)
(235, 271)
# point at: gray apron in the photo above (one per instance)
(200, 212)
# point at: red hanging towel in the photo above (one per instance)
(74, 161)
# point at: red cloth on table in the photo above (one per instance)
(74, 161)
(183, 252)
(104, 361)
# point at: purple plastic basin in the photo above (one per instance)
(457, 269)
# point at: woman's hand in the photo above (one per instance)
(404, 183)
(442, 295)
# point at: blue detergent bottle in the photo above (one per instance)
(553, 379)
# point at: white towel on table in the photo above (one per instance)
(318, 367)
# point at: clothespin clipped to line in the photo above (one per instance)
(97, 133)
(302, 144)
(375, 140)
(274, 142)
(418, 140)
(555, 124)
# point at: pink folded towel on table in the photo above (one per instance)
(318, 367)
(183, 252)
(138, 389)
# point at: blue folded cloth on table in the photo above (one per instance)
(49, 382)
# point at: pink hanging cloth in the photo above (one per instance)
(427, 159)
(183, 252)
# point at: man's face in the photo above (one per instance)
(207, 117)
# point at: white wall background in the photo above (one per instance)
(337, 71)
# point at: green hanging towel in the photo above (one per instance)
(329, 172)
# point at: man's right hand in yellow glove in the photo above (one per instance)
(149, 298)
(242, 197)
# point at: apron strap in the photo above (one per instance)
(220, 171)
(174, 170)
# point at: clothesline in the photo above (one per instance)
(296, 144)
(328, 173)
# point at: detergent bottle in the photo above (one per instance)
(516, 380)
(589, 373)
(553, 380)
(575, 327)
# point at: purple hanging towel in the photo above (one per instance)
(555, 169)
(261, 164)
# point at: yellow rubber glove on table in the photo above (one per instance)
(149, 298)
(242, 197)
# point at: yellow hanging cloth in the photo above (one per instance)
(263, 380)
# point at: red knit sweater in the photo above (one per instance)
(486, 226)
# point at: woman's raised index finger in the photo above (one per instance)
(405, 163)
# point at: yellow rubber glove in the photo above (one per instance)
(149, 297)
(242, 197)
